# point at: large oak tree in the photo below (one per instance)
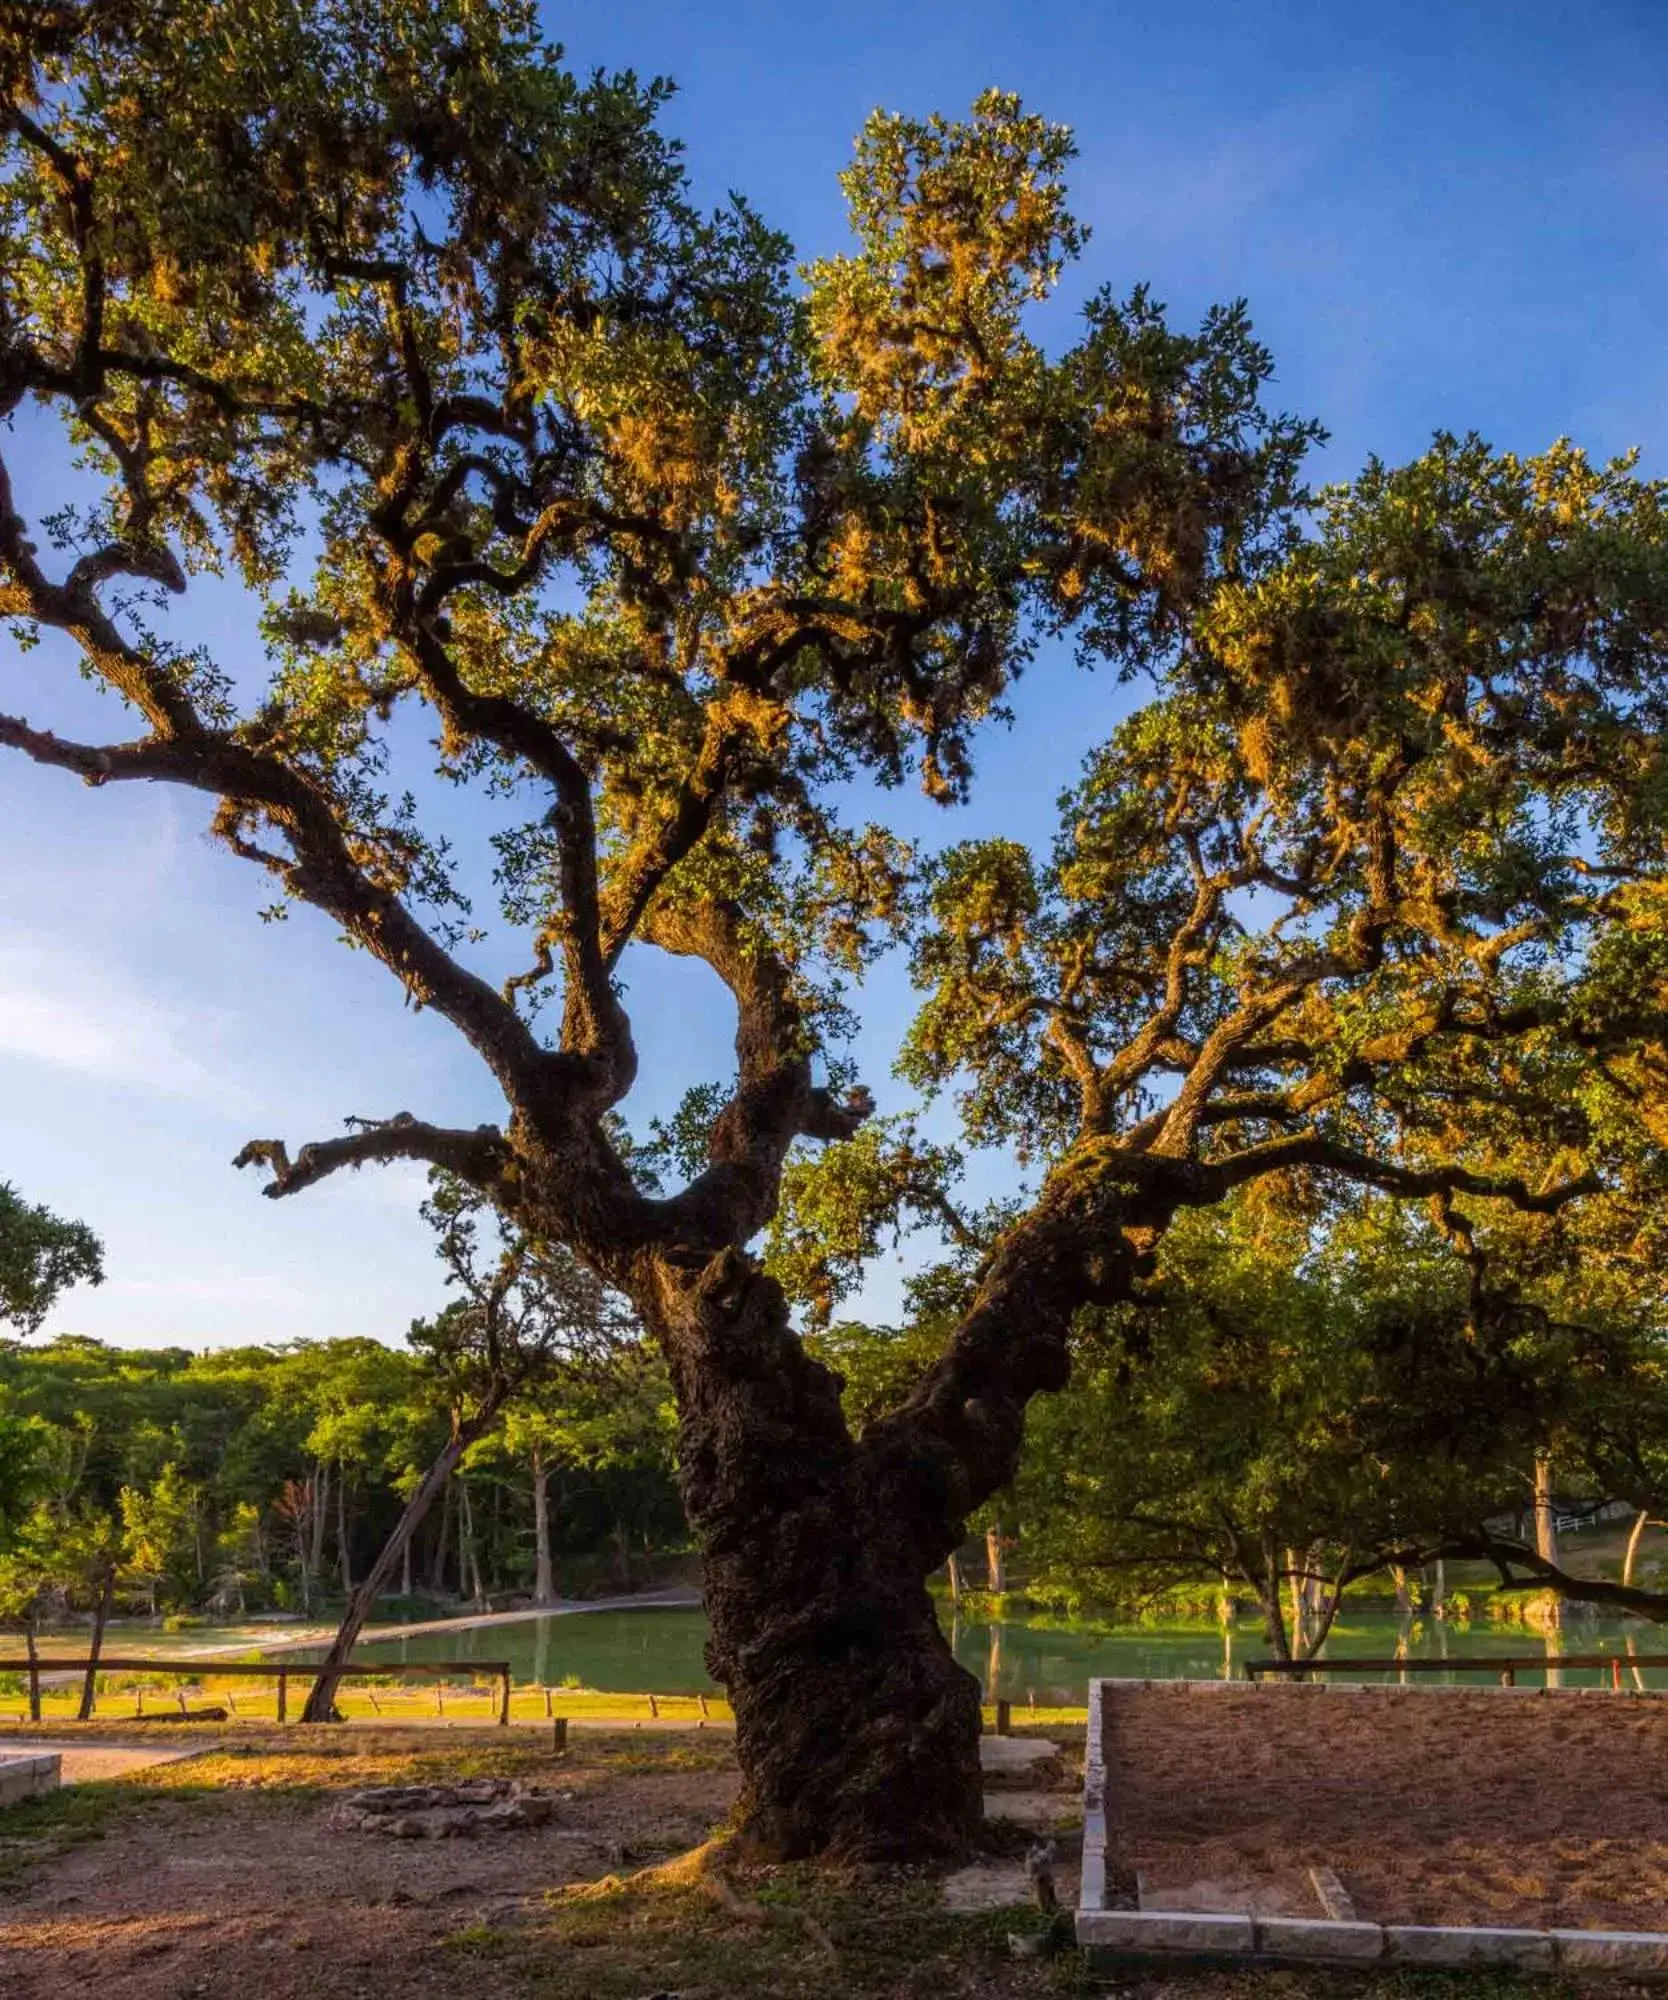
(377, 307)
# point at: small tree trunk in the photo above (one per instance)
(344, 1551)
(321, 1701)
(437, 1564)
(321, 1513)
(1267, 1587)
(996, 1570)
(1300, 1622)
(1404, 1596)
(1439, 1588)
(107, 1591)
(622, 1558)
(1546, 1533)
(957, 1586)
(544, 1583)
(405, 1565)
(34, 1670)
(1326, 1609)
(469, 1561)
(1633, 1542)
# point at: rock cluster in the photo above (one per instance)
(443, 1812)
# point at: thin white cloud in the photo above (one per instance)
(98, 1025)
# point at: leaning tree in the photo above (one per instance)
(376, 309)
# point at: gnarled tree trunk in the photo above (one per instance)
(856, 1731)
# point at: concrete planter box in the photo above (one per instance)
(1119, 1937)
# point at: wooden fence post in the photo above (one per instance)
(1004, 1714)
(559, 1733)
(504, 1703)
(283, 1696)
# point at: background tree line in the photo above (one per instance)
(268, 1477)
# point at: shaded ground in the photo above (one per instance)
(221, 1877)
(1434, 1805)
(218, 1879)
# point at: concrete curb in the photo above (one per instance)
(1113, 1937)
(1119, 1937)
(24, 1777)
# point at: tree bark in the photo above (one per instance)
(405, 1565)
(958, 1589)
(856, 1731)
(321, 1700)
(101, 1617)
(544, 1583)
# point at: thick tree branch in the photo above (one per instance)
(1199, 1183)
(478, 1157)
(325, 873)
(595, 1024)
(1505, 1552)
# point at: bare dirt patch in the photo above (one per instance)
(223, 1875)
(1433, 1805)
(222, 1879)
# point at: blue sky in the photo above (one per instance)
(1443, 216)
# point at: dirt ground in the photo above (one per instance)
(1431, 1805)
(220, 1878)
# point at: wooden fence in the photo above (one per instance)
(1506, 1665)
(187, 1669)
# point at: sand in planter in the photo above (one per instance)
(85, 1761)
(1433, 1805)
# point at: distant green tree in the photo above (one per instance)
(40, 1257)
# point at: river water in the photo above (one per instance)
(658, 1651)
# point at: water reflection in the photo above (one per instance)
(660, 1650)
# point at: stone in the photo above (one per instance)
(1448, 1945)
(23, 1777)
(1014, 1753)
(1320, 1939)
(443, 1812)
(1135, 1931)
(1334, 1898)
(987, 1885)
(1626, 1954)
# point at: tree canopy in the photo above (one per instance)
(379, 310)
(40, 1256)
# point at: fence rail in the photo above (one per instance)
(1506, 1665)
(187, 1669)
